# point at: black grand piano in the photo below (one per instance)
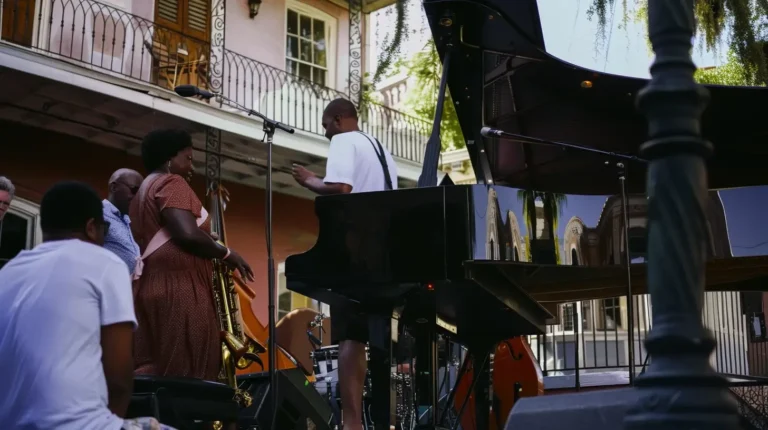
(470, 260)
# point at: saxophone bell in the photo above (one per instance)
(242, 353)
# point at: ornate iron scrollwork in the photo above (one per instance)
(355, 50)
(216, 68)
(212, 158)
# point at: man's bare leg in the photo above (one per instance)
(352, 369)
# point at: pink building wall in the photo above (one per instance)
(263, 37)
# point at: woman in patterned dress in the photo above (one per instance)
(178, 333)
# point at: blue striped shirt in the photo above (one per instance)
(119, 238)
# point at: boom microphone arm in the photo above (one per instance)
(501, 134)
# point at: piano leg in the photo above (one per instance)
(450, 401)
(466, 392)
(383, 412)
(426, 382)
(481, 364)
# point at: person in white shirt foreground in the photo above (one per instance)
(66, 324)
(357, 163)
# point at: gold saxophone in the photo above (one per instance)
(238, 349)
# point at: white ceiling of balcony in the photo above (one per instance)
(108, 121)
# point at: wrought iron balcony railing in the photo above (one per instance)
(593, 337)
(100, 37)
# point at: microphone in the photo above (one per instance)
(491, 132)
(192, 91)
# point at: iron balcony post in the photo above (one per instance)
(680, 390)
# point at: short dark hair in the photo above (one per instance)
(159, 146)
(342, 107)
(67, 206)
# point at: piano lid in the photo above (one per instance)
(505, 79)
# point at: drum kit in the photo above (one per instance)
(325, 367)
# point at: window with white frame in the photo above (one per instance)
(307, 43)
(19, 229)
(611, 313)
(569, 311)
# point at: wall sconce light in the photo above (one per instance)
(253, 6)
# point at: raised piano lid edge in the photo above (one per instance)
(485, 274)
(470, 111)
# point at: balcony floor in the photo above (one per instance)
(104, 115)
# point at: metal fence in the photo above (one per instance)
(299, 102)
(593, 337)
(103, 38)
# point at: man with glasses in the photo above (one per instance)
(123, 186)
(7, 190)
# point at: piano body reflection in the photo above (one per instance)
(414, 251)
(471, 260)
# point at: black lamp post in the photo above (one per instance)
(680, 390)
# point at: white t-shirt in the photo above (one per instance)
(54, 299)
(352, 160)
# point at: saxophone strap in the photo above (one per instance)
(159, 239)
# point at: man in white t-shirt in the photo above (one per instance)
(66, 323)
(357, 163)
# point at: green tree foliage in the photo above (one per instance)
(391, 46)
(424, 70)
(730, 73)
(744, 22)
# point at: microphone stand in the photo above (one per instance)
(269, 130)
(269, 127)
(622, 170)
(622, 176)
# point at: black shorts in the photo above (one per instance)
(348, 323)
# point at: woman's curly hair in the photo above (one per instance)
(159, 146)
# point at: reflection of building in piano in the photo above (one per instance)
(503, 239)
(601, 326)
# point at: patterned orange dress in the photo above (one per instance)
(178, 332)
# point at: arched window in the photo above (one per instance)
(638, 244)
(574, 257)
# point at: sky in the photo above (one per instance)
(570, 35)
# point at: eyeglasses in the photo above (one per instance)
(134, 188)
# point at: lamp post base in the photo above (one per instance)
(673, 408)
